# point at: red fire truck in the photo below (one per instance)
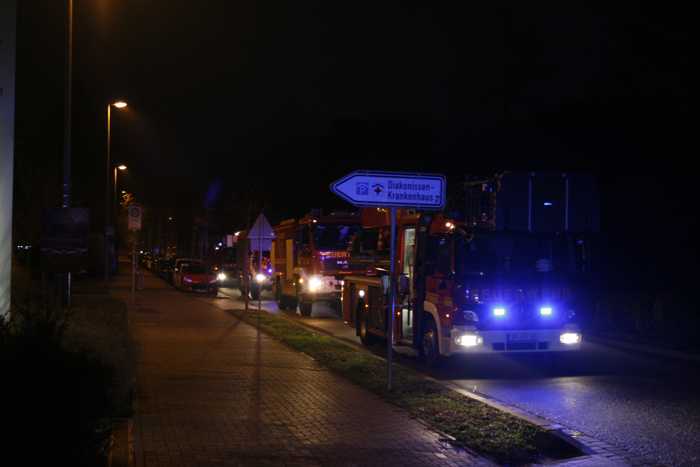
(460, 290)
(310, 259)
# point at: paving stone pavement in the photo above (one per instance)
(213, 391)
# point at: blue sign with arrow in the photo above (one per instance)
(392, 189)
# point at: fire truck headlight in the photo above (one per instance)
(260, 278)
(546, 311)
(315, 284)
(499, 312)
(221, 276)
(469, 340)
(570, 338)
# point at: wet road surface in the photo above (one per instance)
(645, 405)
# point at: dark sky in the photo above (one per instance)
(238, 102)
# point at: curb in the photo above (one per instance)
(641, 348)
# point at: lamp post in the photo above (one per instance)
(117, 105)
(117, 169)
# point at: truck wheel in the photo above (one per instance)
(429, 348)
(305, 308)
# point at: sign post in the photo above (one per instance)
(135, 214)
(261, 232)
(392, 190)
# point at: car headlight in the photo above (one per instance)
(469, 340)
(570, 338)
(499, 312)
(315, 284)
(260, 278)
(546, 311)
(221, 276)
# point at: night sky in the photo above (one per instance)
(237, 104)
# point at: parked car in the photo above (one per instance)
(177, 269)
(195, 276)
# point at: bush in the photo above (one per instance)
(55, 402)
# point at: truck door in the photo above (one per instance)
(408, 249)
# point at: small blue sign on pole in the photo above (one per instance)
(392, 189)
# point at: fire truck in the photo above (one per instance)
(462, 289)
(310, 259)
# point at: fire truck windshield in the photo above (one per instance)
(333, 236)
(501, 254)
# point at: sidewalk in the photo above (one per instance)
(214, 391)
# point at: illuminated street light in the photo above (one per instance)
(117, 105)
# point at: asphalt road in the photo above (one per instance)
(648, 406)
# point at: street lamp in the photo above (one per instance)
(117, 168)
(117, 105)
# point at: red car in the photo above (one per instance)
(198, 278)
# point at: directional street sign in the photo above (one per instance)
(135, 213)
(392, 189)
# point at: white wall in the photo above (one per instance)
(8, 22)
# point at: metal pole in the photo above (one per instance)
(114, 203)
(392, 302)
(259, 269)
(68, 114)
(107, 190)
(8, 29)
(67, 132)
(133, 270)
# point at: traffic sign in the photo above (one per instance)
(392, 189)
(135, 214)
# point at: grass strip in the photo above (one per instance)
(475, 425)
